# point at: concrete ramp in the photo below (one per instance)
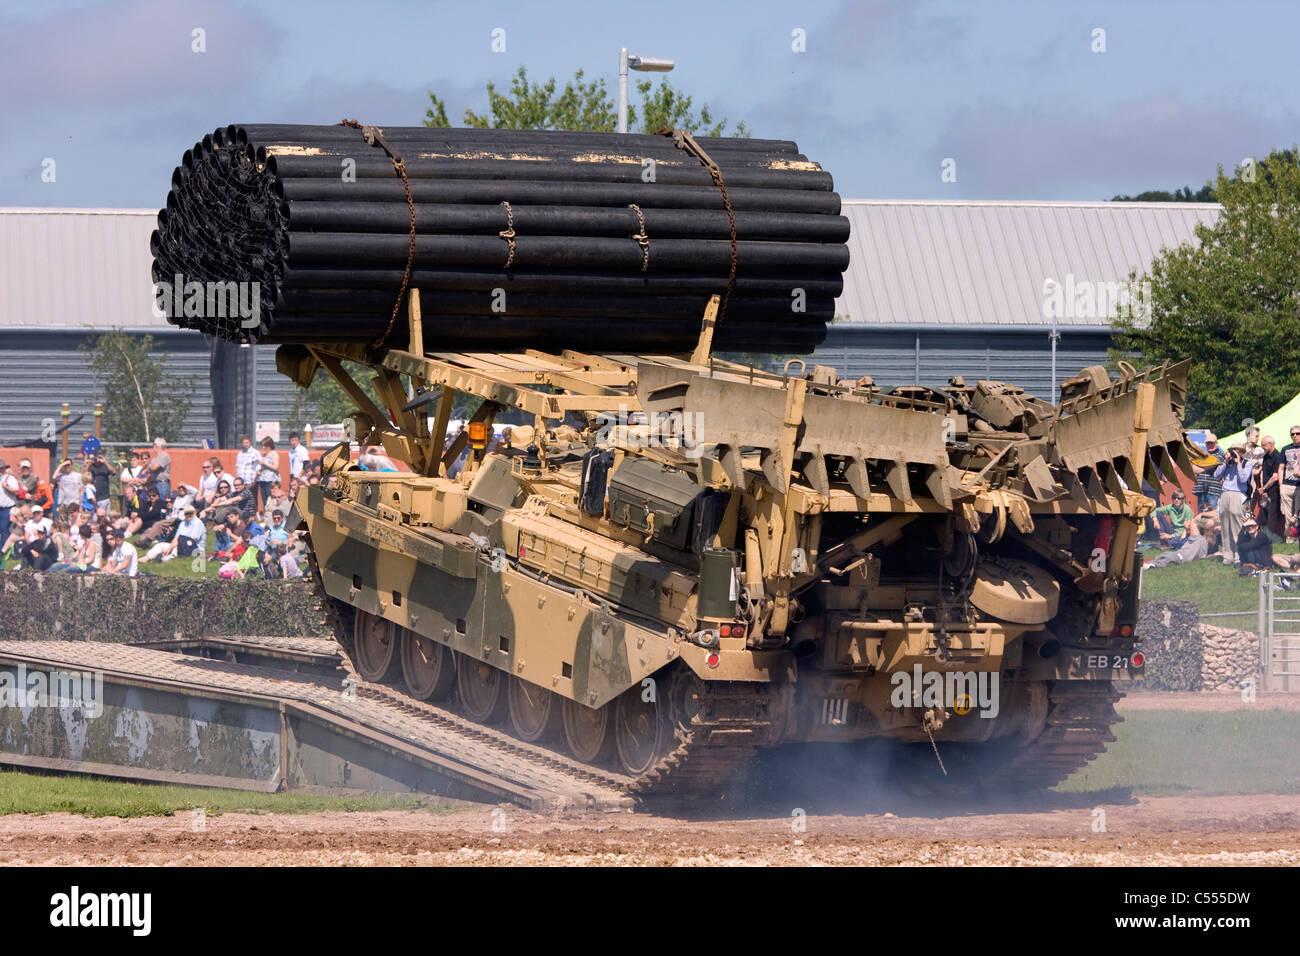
(153, 715)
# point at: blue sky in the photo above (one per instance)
(885, 92)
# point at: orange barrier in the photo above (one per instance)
(40, 458)
(187, 463)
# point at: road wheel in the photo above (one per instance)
(375, 648)
(482, 690)
(534, 711)
(427, 668)
(588, 731)
(642, 731)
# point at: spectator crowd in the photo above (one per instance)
(1246, 502)
(81, 521)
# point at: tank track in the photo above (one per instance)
(716, 731)
(718, 727)
(1080, 715)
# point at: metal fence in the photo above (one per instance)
(1279, 631)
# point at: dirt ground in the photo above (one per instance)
(1232, 830)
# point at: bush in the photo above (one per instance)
(83, 607)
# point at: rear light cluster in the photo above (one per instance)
(710, 635)
(1138, 659)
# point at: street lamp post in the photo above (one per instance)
(644, 64)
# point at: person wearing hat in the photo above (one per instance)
(1235, 473)
(1254, 547)
(184, 543)
(9, 490)
(1208, 488)
(39, 521)
(122, 557)
(40, 552)
(27, 478)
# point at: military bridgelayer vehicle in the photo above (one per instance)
(676, 560)
(716, 559)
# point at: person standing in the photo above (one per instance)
(132, 481)
(298, 456)
(1290, 483)
(1235, 474)
(160, 469)
(247, 462)
(8, 498)
(67, 484)
(1269, 482)
(100, 473)
(268, 472)
(90, 446)
(1208, 488)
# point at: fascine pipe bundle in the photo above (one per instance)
(516, 239)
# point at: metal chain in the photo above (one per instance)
(686, 142)
(509, 233)
(375, 137)
(930, 733)
(641, 238)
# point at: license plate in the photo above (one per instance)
(1104, 666)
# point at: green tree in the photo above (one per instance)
(325, 402)
(1232, 303)
(664, 107)
(141, 400)
(1204, 194)
(582, 105)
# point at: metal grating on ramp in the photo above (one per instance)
(185, 718)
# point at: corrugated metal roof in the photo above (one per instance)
(77, 268)
(986, 264)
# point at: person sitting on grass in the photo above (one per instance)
(1170, 521)
(185, 542)
(251, 558)
(1254, 547)
(122, 557)
(289, 566)
(225, 537)
(276, 532)
(87, 554)
(223, 503)
(1196, 544)
(41, 552)
(279, 500)
(18, 518)
(151, 517)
